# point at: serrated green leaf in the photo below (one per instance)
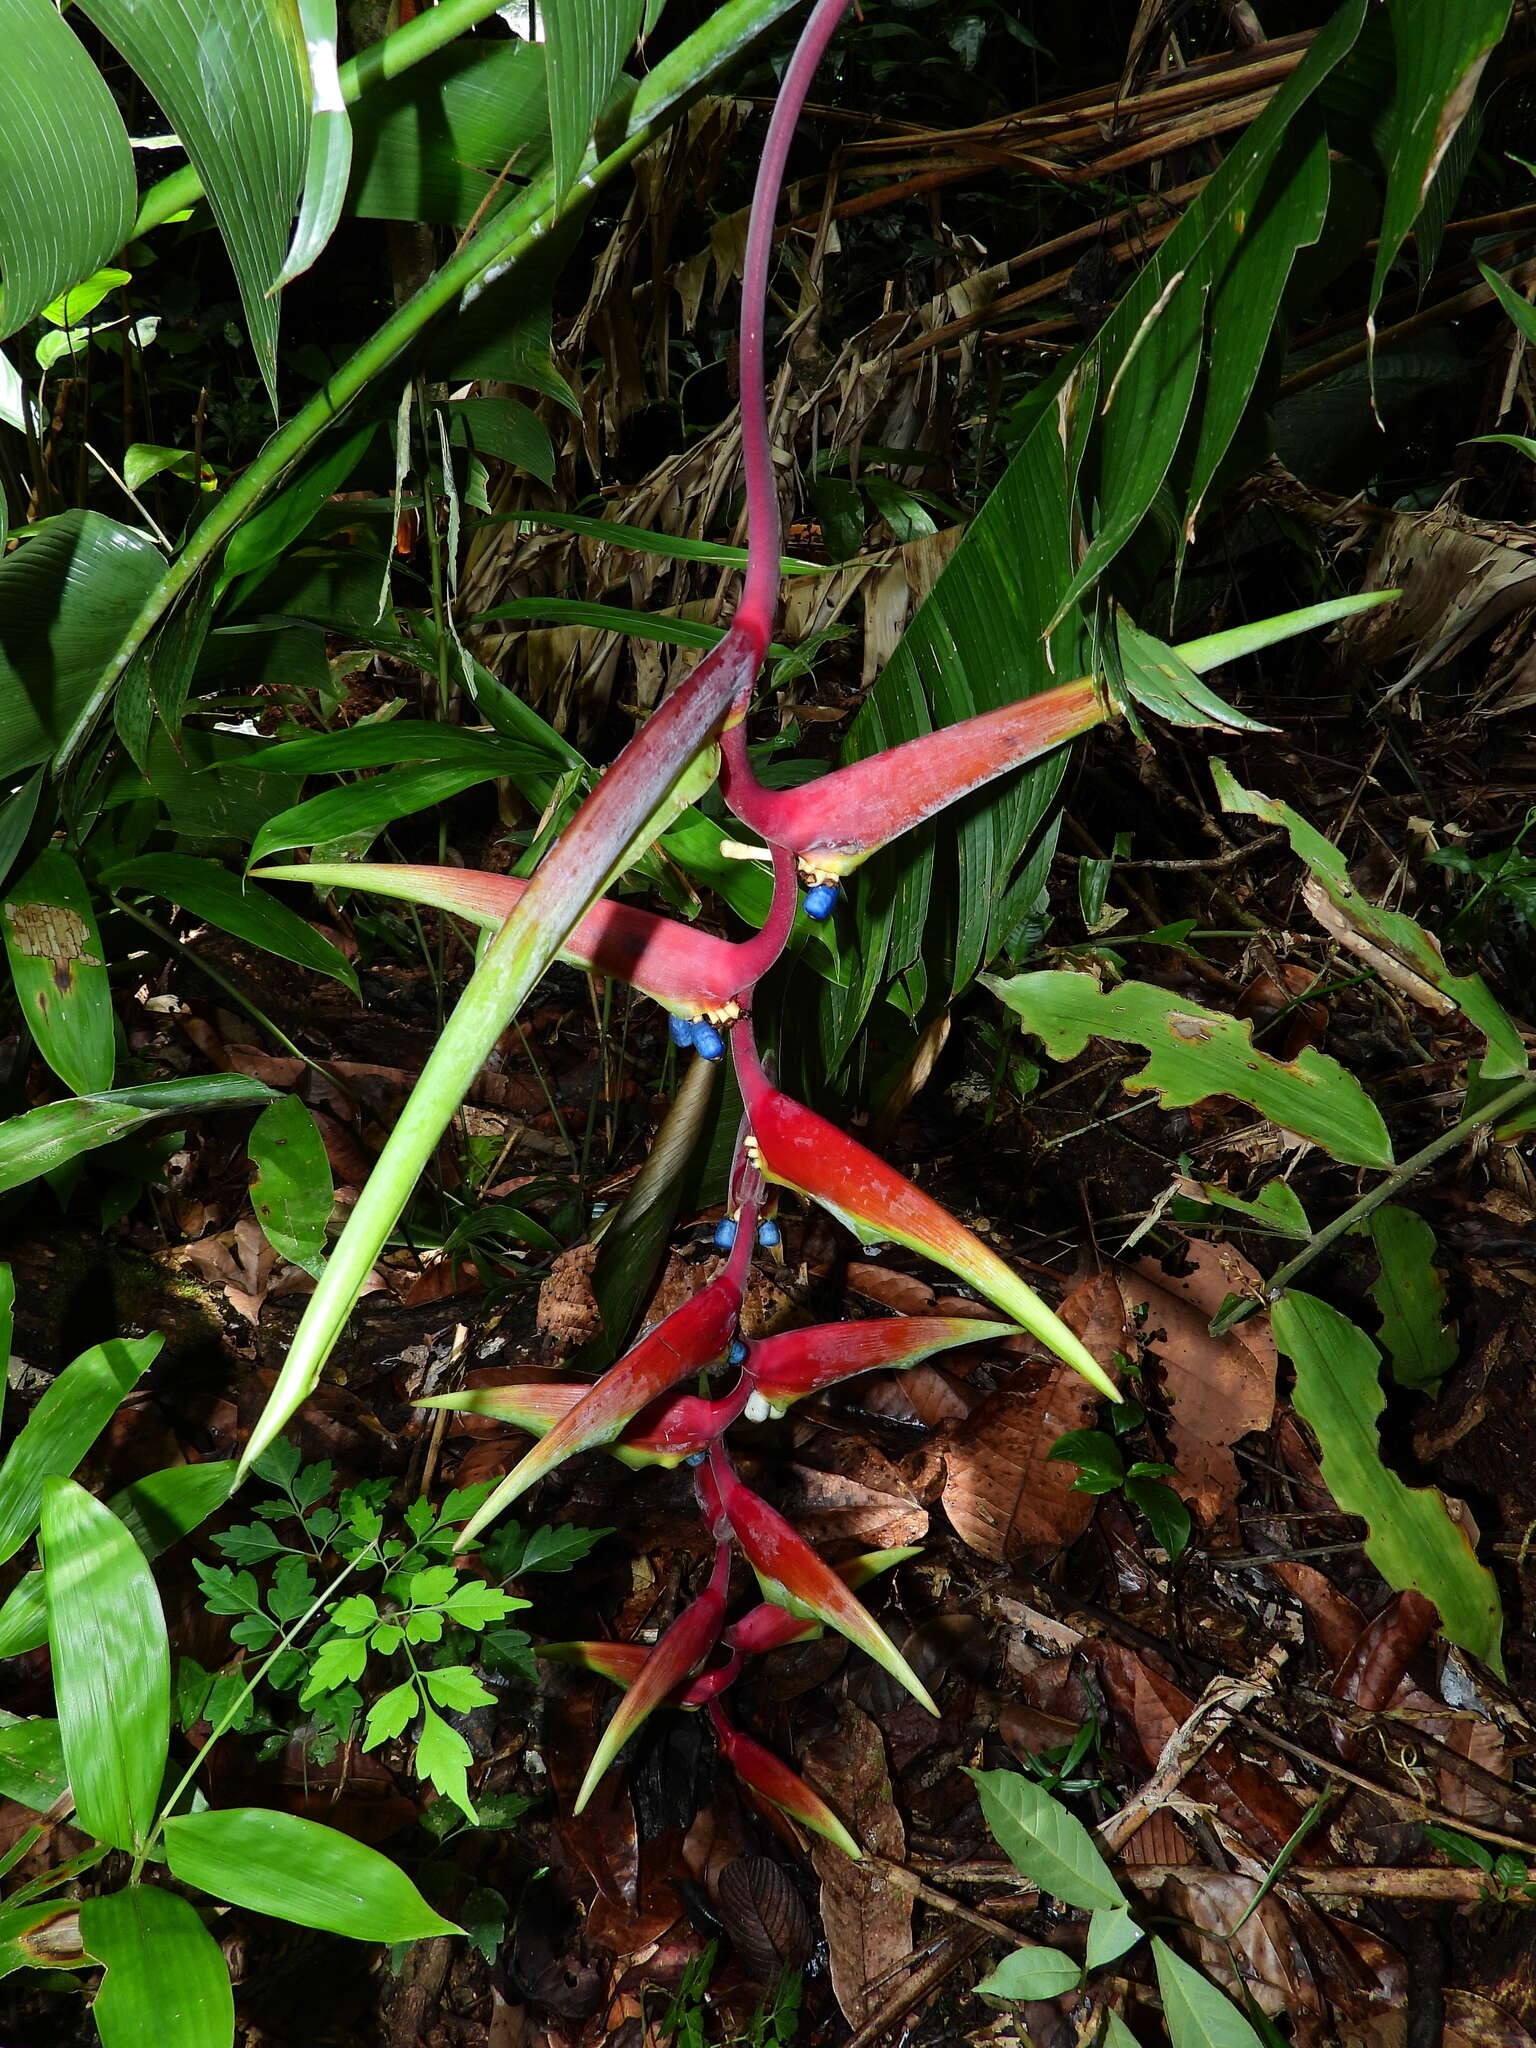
(1196, 2013)
(292, 1589)
(1049, 1845)
(1411, 1537)
(1031, 1973)
(355, 1615)
(473, 1604)
(340, 1660)
(456, 1687)
(59, 971)
(167, 1981)
(1197, 1053)
(111, 1664)
(292, 1193)
(1409, 1293)
(230, 77)
(391, 1713)
(299, 1871)
(432, 1585)
(63, 1425)
(66, 169)
(235, 906)
(443, 1758)
(557, 1549)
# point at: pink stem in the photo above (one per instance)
(760, 595)
(759, 953)
(751, 1079)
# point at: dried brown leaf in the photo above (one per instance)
(868, 1921)
(1003, 1493)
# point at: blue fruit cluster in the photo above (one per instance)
(821, 901)
(699, 1033)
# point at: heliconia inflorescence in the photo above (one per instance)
(813, 834)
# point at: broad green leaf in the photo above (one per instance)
(587, 42)
(59, 972)
(239, 908)
(1523, 313)
(146, 460)
(368, 807)
(7, 1315)
(301, 1871)
(292, 1193)
(430, 144)
(1409, 1292)
(16, 815)
(1197, 2015)
(1049, 1845)
(1197, 1053)
(506, 428)
(66, 1421)
(111, 1665)
(1166, 1513)
(75, 307)
(1275, 1208)
(269, 533)
(231, 78)
(42, 1935)
(1031, 1973)
(1441, 52)
(167, 1983)
(156, 1510)
(329, 162)
(157, 680)
(1111, 1933)
(35, 1143)
(611, 618)
(1390, 931)
(1159, 679)
(67, 597)
(67, 185)
(389, 745)
(1412, 1539)
(32, 1763)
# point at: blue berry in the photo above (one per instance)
(768, 1233)
(707, 1042)
(821, 901)
(681, 1030)
(725, 1234)
(737, 1355)
(696, 1458)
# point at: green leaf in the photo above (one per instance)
(676, 547)
(1049, 1845)
(358, 1613)
(587, 42)
(329, 162)
(429, 145)
(167, 1983)
(230, 77)
(368, 807)
(1111, 1933)
(609, 618)
(66, 1421)
(398, 741)
(146, 460)
(292, 1193)
(298, 1870)
(391, 1713)
(1196, 2013)
(292, 1590)
(1097, 1456)
(1197, 1053)
(556, 1550)
(156, 1510)
(456, 1687)
(1412, 1539)
(1337, 904)
(340, 1660)
(1409, 1292)
(443, 1758)
(474, 1604)
(67, 596)
(32, 1763)
(244, 911)
(36, 1142)
(19, 809)
(1164, 1510)
(111, 1665)
(505, 428)
(1441, 52)
(1160, 680)
(1031, 1973)
(59, 971)
(66, 169)
(270, 532)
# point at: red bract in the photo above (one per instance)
(665, 1433)
(839, 820)
(790, 1572)
(692, 1337)
(689, 972)
(669, 1666)
(777, 1783)
(786, 1368)
(803, 1151)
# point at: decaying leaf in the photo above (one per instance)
(868, 1921)
(1219, 1388)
